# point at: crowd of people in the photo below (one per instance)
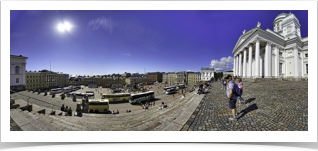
(67, 110)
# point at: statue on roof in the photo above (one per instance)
(258, 24)
(244, 31)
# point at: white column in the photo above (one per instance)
(235, 73)
(250, 61)
(269, 58)
(296, 60)
(240, 65)
(244, 63)
(234, 70)
(277, 62)
(268, 54)
(237, 65)
(257, 59)
(12, 69)
(302, 64)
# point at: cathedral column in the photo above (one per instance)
(257, 58)
(244, 63)
(250, 61)
(234, 66)
(268, 54)
(276, 62)
(296, 60)
(302, 64)
(240, 64)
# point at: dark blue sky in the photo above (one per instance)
(104, 42)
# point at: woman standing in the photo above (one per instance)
(240, 85)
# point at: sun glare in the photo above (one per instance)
(65, 26)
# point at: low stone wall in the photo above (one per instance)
(18, 88)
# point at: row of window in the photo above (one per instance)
(35, 85)
(306, 54)
(281, 68)
(37, 80)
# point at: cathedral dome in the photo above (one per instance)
(280, 16)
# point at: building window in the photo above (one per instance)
(306, 55)
(280, 67)
(277, 26)
(306, 68)
(17, 80)
(17, 70)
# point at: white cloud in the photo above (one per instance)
(101, 22)
(225, 64)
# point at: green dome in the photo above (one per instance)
(280, 15)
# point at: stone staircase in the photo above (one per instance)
(136, 121)
(149, 119)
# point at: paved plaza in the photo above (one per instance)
(271, 106)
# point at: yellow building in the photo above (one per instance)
(45, 79)
(194, 77)
(181, 77)
(171, 78)
(165, 77)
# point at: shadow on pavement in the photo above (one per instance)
(249, 100)
(247, 110)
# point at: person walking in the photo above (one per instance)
(231, 96)
(240, 85)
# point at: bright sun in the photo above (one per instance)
(65, 26)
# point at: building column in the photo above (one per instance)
(250, 61)
(12, 69)
(240, 65)
(302, 64)
(277, 62)
(237, 66)
(244, 63)
(257, 58)
(296, 60)
(234, 58)
(267, 59)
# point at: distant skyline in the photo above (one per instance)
(118, 41)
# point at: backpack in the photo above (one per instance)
(237, 90)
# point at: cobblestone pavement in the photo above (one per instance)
(271, 106)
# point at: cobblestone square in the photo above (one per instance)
(271, 106)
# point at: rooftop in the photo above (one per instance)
(207, 68)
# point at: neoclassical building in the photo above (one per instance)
(17, 72)
(280, 52)
(207, 73)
